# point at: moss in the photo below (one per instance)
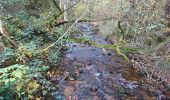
(82, 40)
(122, 51)
(119, 48)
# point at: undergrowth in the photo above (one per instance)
(144, 25)
(23, 71)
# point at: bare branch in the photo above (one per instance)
(66, 31)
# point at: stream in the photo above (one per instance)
(92, 73)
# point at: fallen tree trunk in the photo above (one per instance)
(62, 22)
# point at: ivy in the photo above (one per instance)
(19, 80)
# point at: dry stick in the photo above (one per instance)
(65, 32)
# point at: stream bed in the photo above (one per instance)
(92, 73)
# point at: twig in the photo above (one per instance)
(66, 31)
(61, 12)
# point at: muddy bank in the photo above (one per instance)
(92, 73)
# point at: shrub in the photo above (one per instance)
(22, 81)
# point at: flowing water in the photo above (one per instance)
(92, 74)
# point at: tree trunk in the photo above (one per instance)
(60, 4)
(2, 47)
(1, 26)
(65, 10)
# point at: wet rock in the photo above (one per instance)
(81, 71)
(93, 49)
(93, 89)
(74, 46)
(55, 78)
(66, 75)
(108, 97)
(109, 54)
(111, 39)
(162, 97)
(58, 96)
(69, 90)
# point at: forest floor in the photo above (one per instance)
(91, 73)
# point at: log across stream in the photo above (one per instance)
(92, 74)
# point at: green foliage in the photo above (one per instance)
(14, 1)
(54, 58)
(27, 28)
(21, 81)
(23, 71)
(7, 54)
